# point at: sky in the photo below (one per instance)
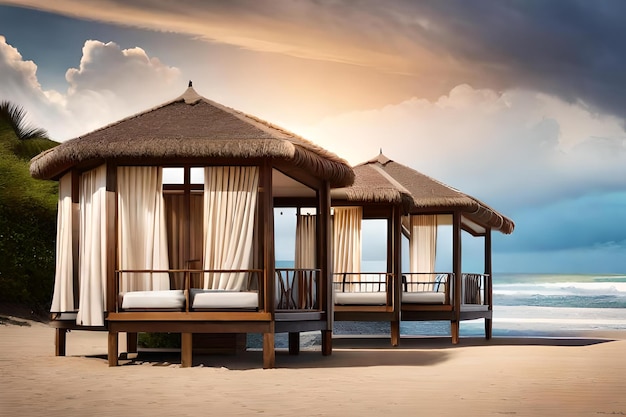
(521, 104)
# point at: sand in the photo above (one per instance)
(364, 377)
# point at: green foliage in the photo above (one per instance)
(159, 340)
(27, 220)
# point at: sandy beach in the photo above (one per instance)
(572, 376)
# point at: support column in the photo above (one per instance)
(131, 342)
(396, 268)
(269, 352)
(112, 348)
(327, 342)
(395, 333)
(454, 331)
(60, 341)
(186, 349)
(294, 343)
(458, 275)
(488, 284)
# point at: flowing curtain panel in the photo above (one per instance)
(306, 255)
(63, 297)
(230, 199)
(142, 236)
(423, 246)
(92, 257)
(347, 240)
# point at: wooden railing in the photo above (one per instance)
(297, 289)
(440, 282)
(362, 281)
(475, 289)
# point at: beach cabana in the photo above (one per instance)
(368, 295)
(456, 294)
(166, 225)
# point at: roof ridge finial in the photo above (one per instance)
(381, 151)
(190, 84)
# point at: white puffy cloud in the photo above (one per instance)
(19, 84)
(110, 83)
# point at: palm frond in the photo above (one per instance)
(15, 117)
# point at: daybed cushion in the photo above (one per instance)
(424, 297)
(222, 299)
(167, 299)
(360, 298)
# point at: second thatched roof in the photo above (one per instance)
(383, 180)
(192, 126)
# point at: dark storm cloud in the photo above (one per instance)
(574, 49)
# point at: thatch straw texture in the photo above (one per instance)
(374, 185)
(192, 127)
(428, 194)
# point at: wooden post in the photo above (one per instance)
(112, 348)
(131, 342)
(60, 341)
(269, 353)
(395, 333)
(294, 343)
(458, 275)
(111, 239)
(324, 260)
(396, 251)
(186, 350)
(327, 342)
(488, 283)
(454, 330)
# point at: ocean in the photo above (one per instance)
(525, 305)
(545, 304)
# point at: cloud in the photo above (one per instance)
(109, 84)
(518, 148)
(570, 49)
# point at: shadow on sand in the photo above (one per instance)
(349, 352)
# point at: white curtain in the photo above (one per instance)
(92, 257)
(423, 245)
(305, 256)
(230, 198)
(63, 298)
(142, 235)
(347, 239)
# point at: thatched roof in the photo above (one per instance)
(373, 185)
(428, 194)
(192, 126)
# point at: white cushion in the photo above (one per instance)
(424, 297)
(361, 298)
(218, 299)
(170, 299)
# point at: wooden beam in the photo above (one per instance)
(269, 352)
(488, 283)
(397, 274)
(112, 349)
(294, 343)
(111, 238)
(395, 333)
(267, 236)
(324, 257)
(75, 236)
(186, 350)
(458, 274)
(327, 342)
(60, 342)
(131, 342)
